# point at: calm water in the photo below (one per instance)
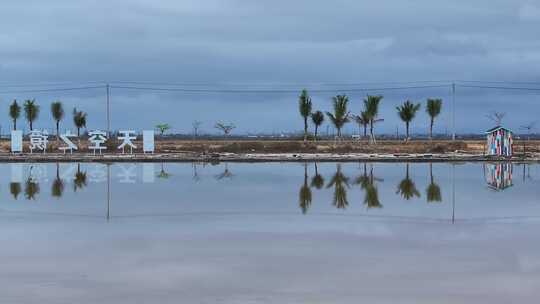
(269, 233)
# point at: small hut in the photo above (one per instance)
(499, 142)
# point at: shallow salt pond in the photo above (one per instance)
(269, 233)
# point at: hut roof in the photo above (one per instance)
(496, 129)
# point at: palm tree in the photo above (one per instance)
(433, 108)
(79, 119)
(340, 116)
(363, 121)
(407, 188)
(225, 128)
(57, 188)
(371, 105)
(318, 180)
(304, 196)
(31, 111)
(163, 128)
(407, 112)
(433, 191)
(14, 113)
(57, 111)
(15, 189)
(304, 105)
(340, 183)
(318, 118)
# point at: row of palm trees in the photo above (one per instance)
(369, 116)
(31, 113)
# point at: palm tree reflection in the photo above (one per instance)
(162, 173)
(304, 196)
(340, 183)
(15, 189)
(317, 180)
(367, 183)
(225, 174)
(407, 188)
(79, 181)
(433, 191)
(57, 188)
(31, 187)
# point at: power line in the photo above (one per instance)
(52, 90)
(499, 88)
(188, 90)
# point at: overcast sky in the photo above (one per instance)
(272, 45)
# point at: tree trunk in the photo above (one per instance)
(31, 126)
(305, 128)
(14, 124)
(365, 131)
(407, 128)
(57, 130)
(431, 172)
(371, 131)
(316, 128)
(431, 130)
(78, 132)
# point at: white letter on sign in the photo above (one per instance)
(127, 140)
(70, 145)
(16, 141)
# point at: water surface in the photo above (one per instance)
(269, 233)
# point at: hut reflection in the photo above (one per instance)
(304, 195)
(407, 187)
(498, 176)
(433, 191)
(340, 183)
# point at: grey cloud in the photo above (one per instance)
(279, 42)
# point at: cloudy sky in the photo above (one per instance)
(277, 47)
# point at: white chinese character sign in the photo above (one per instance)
(97, 139)
(127, 138)
(38, 140)
(148, 141)
(69, 144)
(16, 141)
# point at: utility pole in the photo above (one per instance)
(453, 111)
(108, 111)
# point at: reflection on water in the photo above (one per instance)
(332, 186)
(433, 191)
(340, 183)
(156, 233)
(498, 176)
(407, 187)
(79, 181)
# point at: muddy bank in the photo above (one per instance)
(283, 151)
(260, 157)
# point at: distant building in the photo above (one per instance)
(499, 142)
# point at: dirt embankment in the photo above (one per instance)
(290, 146)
